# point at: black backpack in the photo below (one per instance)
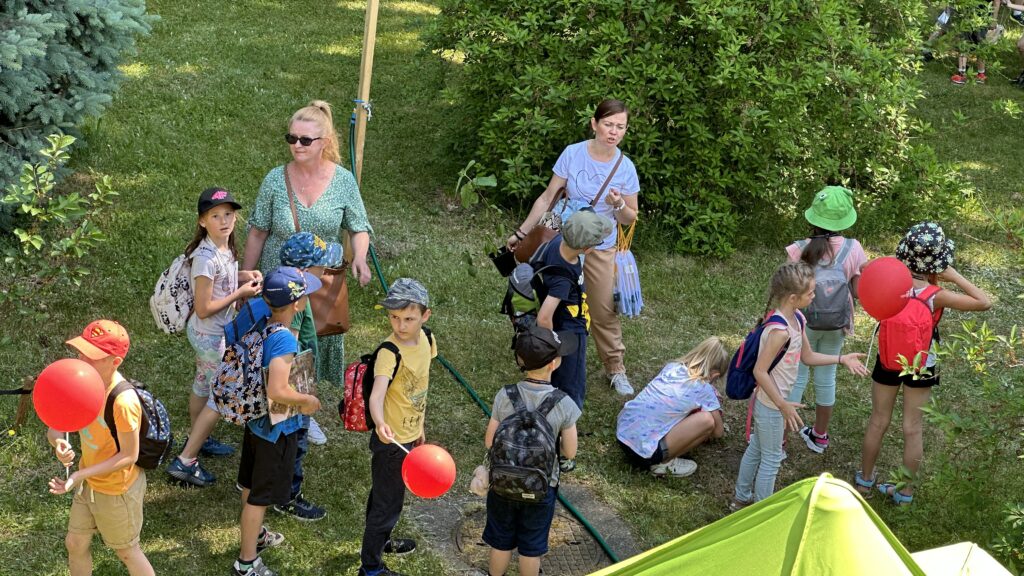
(524, 453)
(155, 437)
(527, 290)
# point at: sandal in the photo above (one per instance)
(898, 498)
(864, 486)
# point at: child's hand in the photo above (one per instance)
(63, 486)
(248, 290)
(421, 440)
(948, 275)
(310, 405)
(65, 454)
(853, 363)
(386, 433)
(789, 415)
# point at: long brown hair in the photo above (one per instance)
(319, 113)
(819, 246)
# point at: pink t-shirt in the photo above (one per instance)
(784, 373)
(851, 266)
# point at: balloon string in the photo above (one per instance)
(399, 445)
(67, 469)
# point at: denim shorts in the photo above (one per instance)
(515, 525)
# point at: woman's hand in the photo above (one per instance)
(360, 271)
(853, 363)
(789, 415)
(614, 199)
(512, 242)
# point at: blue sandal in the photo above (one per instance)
(864, 486)
(898, 498)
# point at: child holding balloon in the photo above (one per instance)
(837, 262)
(791, 288)
(398, 405)
(108, 487)
(928, 254)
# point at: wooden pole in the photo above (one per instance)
(24, 403)
(365, 75)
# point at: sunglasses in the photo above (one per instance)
(304, 140)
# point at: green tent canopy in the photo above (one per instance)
(816, 526)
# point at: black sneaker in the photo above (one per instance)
(302, 509)
(400, 546)
(194, 475)
(385, 571)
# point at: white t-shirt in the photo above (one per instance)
(584, 177)
(221, 268)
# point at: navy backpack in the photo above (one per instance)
(740, 383)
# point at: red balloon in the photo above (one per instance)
(428, 471)
(68, 395)
(883, 287)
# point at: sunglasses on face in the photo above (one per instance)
(304, 140)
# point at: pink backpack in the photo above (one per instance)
(910, 332)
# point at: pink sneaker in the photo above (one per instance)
(958, 78)
(814, 442)
(980, 78)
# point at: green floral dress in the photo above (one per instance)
(339, 208)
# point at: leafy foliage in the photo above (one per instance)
(54, 229)
(58, 66)
(738, 107)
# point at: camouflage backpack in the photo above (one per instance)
(524, 453)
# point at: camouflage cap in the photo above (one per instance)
(403, 292)
(586, 229)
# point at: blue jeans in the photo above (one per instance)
(303, 447)
(825, 342)
(761, 461)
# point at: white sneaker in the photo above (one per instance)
(678, 467)
(621, 384)
(315, 434)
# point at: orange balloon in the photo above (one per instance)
(428, 471)
(68, 395)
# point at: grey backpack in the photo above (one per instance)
(524, 453)
(830, 309)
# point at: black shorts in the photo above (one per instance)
(887, 377)
(266, 468)
(638, 461)
(975, 37)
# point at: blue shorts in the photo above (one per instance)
(515, 525)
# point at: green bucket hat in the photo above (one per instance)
(832, 209)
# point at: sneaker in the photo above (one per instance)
(958, 78)
(316, 435)
(1018, 17)
(737, 505)
(980, 78)
(927, 55)
(384, 571)
(399, 546)
(268, 539)
(621, 384)
(816, 443)
(239, 487)
(257, 568)
(678, 467)
(194, 475)
(213, 447)
(302, 509)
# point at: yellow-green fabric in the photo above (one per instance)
(963, 559)
(816, 526)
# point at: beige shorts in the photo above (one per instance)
(118, 519)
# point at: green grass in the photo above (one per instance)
(206, 102)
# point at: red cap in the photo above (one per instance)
(102, 338)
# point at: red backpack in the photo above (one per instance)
(910, 332)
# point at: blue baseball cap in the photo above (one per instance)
(305, 249)
(287, 284)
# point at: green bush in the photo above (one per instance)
(741, 109)
(58, 66)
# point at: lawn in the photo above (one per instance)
(206, 102)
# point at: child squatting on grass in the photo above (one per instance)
(108, 487)
(791, 288)
(398, 409)
(676, 412)
(268, 450)
(524, 526)
(929, 255)
(215, 280)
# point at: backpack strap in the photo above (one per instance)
(781, 320)
(518, 404)
(844, 252)
(550, 401)
(390, 347)
(927, 295)
(430, 336)
(108, 409)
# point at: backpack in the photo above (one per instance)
(155, 437)
(830, 309)
(525, 450)
(910, 332)
(740, 382)
(239, 392)
(354, 406)
(251, 316)
(173, 298)
(526, 289)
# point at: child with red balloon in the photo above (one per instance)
(837, 262)
(108, 487)
(398, 404)
(928, 254)
(791, 288)
(511, 523)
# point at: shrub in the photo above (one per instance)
(58, 66)
(739, 107)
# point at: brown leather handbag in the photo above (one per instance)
(329, 303)
(550, 223)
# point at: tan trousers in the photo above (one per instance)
(605, 328)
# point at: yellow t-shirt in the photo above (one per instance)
(406, 401)
(98, 445)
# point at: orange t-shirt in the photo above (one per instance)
(98, 444)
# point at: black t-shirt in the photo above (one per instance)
(568, 315)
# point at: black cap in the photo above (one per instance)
(536, 347)
(214, 197)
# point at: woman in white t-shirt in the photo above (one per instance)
(582, 170)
